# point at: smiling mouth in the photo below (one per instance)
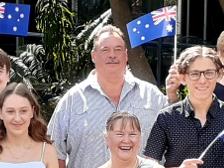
(17, 125)
(202, 88)
(112, 63)
(125, 148)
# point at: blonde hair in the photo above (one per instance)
(220, 41)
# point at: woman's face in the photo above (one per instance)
(16, 114)
(124, 143)
(202, 88)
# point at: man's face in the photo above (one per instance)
(4, 77)
(110, 56)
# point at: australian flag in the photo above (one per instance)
(14, 19)
(158, 23)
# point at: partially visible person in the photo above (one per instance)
(184, 130)
(219, 89)
(4, 69)
(173, 81)
(77, 123)
(23, 139)
(123, 138)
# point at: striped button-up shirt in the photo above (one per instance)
(78, 123)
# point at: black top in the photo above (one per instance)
(219, 91)
(181, 136)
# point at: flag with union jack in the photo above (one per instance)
(14, 19)
(157, 24)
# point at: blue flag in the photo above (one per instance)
(14, 19)
(158, 23)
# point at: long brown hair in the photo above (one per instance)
(4, 60)
(37, 129)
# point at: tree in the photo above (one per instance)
(137, 60)
(222, 4)
(56, 22)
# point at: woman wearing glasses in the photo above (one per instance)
(183, 130)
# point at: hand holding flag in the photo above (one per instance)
(158, 23)
(14, 19)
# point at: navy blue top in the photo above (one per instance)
(219, 91)
(181, 136)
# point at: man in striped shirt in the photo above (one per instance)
(78, 122)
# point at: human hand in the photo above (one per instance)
(191, 163)
(172, 84)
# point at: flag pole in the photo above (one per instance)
(175, 45)
(175, 36)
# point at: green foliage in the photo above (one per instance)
(28, 68)
(64, 59)
(82, 45)
(183, 92)
(56, 22)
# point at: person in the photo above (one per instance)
(78, 122)
(23, 139)
(4, 69)
(184, 129)
(173, 81)
(123, 138)
(219, 89)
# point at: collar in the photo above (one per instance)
(91, 80)
(213, 110)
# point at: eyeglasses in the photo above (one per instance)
(208, 74)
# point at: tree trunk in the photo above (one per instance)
(121, 13)
(222, 4)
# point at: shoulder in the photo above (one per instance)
(144, 83)
(170, 114)
(50, 156)
(130, 78)
(147, 88)
(172, 109)
(48, 150)
(72, 94)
